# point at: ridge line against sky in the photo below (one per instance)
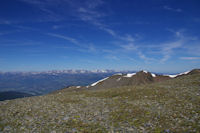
(158, 35)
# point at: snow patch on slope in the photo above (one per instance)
(184, 73)
(118, 79)
(153, 75)
(129, 75)
(173, 76)
(144, 71)
(98, 81)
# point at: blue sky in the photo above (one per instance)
(155, 35)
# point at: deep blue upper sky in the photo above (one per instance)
(155, 35)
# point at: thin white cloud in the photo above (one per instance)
(55, 27)
(112, 57)
(131, 59)
(72, 40)
(20, 27)
(127, 38)
(193, 48)
(190, 58)
(89, 48)
(110, 31)
(165, 57)
(90, 12)
(6, 22)
(172, 9)
(48, 8)
(129, 47)
(8, 32)
(144, 57)
(196, 20)
(93, 20)
(167, 49)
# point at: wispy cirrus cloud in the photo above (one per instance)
(70, 39)
(126, 42)
(82, 47)
(168, 49)
(129, 47)
(88, 12)
(8, 32)
(193, 48)
(172, 9)
(91, 15)
(5, 22)
(90, 48)
(187, 44)
(26, 43)
(190, 58)
(196, 19)
(51, 12)
(145, 58)
(112, 57)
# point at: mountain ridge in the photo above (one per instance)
(140, 77)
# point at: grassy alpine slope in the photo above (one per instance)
(168, 106)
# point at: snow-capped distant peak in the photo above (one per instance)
(98, 81)
(129, 75)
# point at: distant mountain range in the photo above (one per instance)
(55, 72)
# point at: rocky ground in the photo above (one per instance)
(169, 106)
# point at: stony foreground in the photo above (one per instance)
(169, 106)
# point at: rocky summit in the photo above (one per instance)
(134, 102)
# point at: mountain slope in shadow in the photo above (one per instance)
(8, 95)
